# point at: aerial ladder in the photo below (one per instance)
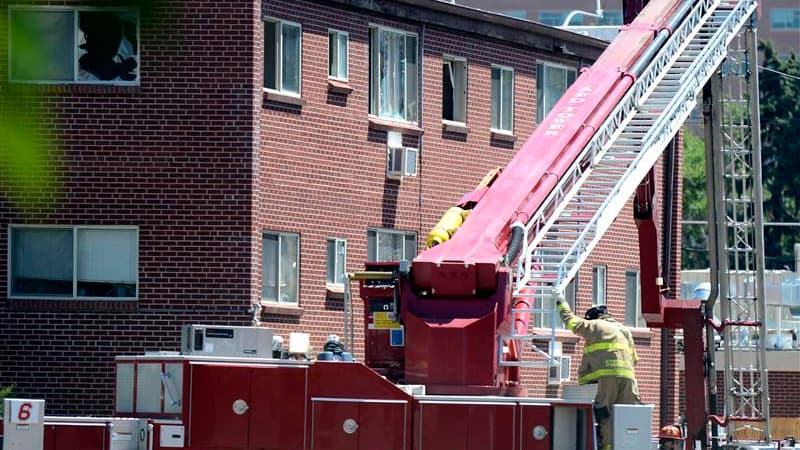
(548, 209)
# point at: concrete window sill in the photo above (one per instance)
(281, 309)
(454, 127)
(505, 136)
(393, 125)
(280, 97)
(339, 87)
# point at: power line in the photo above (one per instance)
(766, 224)
(779, 72)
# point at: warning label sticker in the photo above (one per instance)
(385, 321)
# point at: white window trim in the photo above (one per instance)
(555, 66)
(336, 241)
(265, 301)
(501, 131)
(279, 58)
(347, 59)
(74, 228)
(76, 31)
(373, 106)
(391, 231)
(639, 322)
(461, 59)
(595, 281)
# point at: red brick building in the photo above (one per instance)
(232, 157)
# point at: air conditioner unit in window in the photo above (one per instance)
(559, 372)
(401, 162)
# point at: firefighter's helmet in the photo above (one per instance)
(596, 312)
(670, 432)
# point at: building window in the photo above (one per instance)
(393, 74)
(633, 304)
(515, 13)
(502, 98)
(784, 18)
(454, 89)
(599, 285)
(337, 261)
(551, 83)
(611, 17)
(337, 55)
(74, 45)
(544, 319)
(391, 245)
(74, 262)
(554, 18)
(282, 56)
(281, 265)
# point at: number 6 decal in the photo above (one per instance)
(24, 410)
(24, 413)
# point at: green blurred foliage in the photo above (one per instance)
(29, 144)
(779, 91)
(694, 246)
(780, 141)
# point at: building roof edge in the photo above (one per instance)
(472, 20)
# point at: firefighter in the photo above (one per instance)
(669, 438)
(608, 360)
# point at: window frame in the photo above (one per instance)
(599, 282)
(338, 33)
(74, 230)
(279, 57)
(551, 15)
(464, 96)
(638, 321)
(791, 13)
(374, 76)
(75, 50)
(541, 319)
(540, 75)
(403, 233)
(335, 241)
(277, 301)
(499, 129)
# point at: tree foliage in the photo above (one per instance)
(779, 87)
(694, 248)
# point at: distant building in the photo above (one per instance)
(779, 21)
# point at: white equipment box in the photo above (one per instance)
(218, 340)
(632, 426)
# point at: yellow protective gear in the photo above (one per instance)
(609, 356)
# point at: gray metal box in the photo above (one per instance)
(632, 426)
(23, 424)
(216, 340)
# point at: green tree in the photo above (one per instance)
(694, 246)
(779, 87)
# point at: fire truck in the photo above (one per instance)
(448, 334)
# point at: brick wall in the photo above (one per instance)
(784, 393)
(171, 156)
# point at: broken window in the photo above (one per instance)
(107, 46)
(74, 45)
